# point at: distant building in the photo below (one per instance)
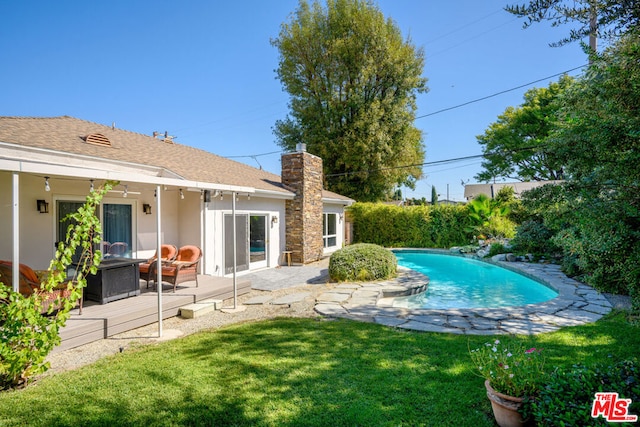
(491, 190)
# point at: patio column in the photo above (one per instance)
(235, 244)
(15, 268)
(159, 258)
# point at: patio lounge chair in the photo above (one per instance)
(117, 249)
(183, 269)
(168, 253)
(30, 283)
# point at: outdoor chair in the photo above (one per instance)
(29, 284)
(168, 253)
(117, 249)
(183, 269)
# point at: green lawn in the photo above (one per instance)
(296, 372)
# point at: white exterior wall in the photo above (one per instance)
(214, 231)
(38, 230)
(339, 210)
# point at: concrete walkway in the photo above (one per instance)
(576, 303)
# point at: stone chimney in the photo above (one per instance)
(302, 172)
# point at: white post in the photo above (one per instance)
(159, 258)
(15, 268)
(235, 244)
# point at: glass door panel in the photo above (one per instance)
(117, 230)
(258, 238)
(242, 243)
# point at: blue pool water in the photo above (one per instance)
(458, 282)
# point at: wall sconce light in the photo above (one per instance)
(43, 206)
(146, 208)
(274, 220)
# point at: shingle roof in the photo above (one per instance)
(68, 134)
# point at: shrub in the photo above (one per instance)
(362, 261)
(496, 248)
(535, 238)
(567, 396)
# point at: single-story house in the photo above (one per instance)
(48, 165)
(491, 190)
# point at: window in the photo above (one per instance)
(329, 227)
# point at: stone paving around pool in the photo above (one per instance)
(576, 304)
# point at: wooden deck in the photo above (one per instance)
(102, 321)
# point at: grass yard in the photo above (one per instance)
(296, 372)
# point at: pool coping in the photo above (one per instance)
(576, 304)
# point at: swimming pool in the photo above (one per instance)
(460, 282)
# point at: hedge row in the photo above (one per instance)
(439, 226)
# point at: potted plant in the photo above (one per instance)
(512, 372)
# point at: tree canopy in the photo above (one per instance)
(608, 18)
(353, 82)
(517, 146)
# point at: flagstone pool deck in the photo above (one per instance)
(575, 304)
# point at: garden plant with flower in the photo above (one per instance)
(511, 368)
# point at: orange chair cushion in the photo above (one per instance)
(188, 254)
(168, 251)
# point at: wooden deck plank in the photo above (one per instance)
(99, 321)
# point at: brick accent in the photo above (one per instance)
(302, 173)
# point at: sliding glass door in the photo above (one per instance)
(251, 242)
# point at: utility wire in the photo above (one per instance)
(435, 162)
(253, 156)
(497, 93)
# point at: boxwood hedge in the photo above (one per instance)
(362, 261)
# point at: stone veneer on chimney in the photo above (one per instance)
(302, 173)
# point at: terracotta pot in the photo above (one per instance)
(505, 408)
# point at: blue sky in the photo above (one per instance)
(203, 70)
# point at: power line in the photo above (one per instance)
(498, 93)
(435, 162)
(253, 156)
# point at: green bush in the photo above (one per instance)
(361, 262)
(533, 237)
(496, 248)
(567, 397)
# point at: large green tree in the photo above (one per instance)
(597, 213)
(353, 82)
(517, 145)
(607, 19)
